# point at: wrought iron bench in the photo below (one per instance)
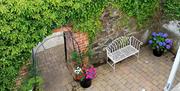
(122, 48)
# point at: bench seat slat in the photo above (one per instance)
(123, 53)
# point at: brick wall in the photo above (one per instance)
(82, 40)
(80, 37)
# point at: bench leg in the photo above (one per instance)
(138, 56)
(114, 67)
(107, 59)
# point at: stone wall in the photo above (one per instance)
(113, 28)
(116, 24)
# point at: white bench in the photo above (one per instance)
(121, 48)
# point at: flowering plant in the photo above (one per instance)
(160, 42)
(90, 73)
(79, 74)
(85, 73)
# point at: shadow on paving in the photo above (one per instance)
(52, 66)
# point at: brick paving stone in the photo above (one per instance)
(108, 88)
(156, 89)
(149, 73)
(103, 83)
(114, 86)
(123, 81)
(110, 82)
(69, 87)
(53, 70)
(129, 85)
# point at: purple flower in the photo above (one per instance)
(164, 44)
(150, 41)
(160, 34)
(154, 34)
(168, 46)
(168, 41)
(165, 35)
(160, 43)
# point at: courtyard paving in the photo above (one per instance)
(52, 67)
(149, 73)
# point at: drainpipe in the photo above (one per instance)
(173, 72)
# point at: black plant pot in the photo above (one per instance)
(85, 83)
(157, 53)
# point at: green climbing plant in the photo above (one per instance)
(24, 23)
(171, 9)
(142, 10)
(34, 84)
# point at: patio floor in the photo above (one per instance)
(149, 73)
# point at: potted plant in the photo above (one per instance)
(76, 61)
(160, 43)
(86, 74)
(80, 60)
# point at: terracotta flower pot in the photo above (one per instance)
(78, 77)
(85, 83)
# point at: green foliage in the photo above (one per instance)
(87, 17)
(142, 10)
(76, 57)
(89, 53)
(23, 23)
(172, 9)
(8, 75)
(32, 83)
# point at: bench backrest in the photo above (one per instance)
(122, 42)
(118, 43)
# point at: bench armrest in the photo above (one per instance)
(135, 42)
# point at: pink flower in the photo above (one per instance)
(91, 73)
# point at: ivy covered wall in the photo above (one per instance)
(23, 23)
(172, 9)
